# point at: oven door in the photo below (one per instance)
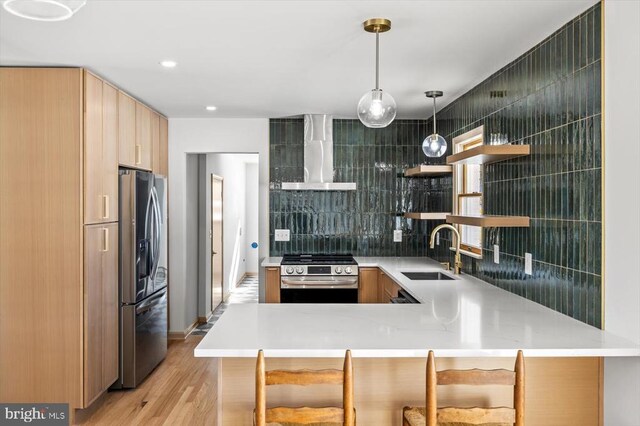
(319, 289)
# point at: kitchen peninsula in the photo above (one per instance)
(465, 321)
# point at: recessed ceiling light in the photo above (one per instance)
(211, 108)
(44, 10)
(169, 64)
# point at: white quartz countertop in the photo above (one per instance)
(465, 317)
(271, 261)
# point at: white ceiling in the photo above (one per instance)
(284, 58)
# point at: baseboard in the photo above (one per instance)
(204, 320)
(181, 335)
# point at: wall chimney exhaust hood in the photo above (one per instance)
(318, 157)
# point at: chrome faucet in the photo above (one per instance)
(458, 262)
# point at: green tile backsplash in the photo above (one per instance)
(361, 221)
(549, 98)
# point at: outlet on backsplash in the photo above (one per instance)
(528, 267)
(282, 235)
(397, 236)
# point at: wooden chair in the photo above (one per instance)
(431, 415)
(304, 415)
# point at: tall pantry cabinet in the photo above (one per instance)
(63, 134)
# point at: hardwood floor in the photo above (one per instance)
(181, 391)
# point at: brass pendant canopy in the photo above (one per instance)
(377, 25)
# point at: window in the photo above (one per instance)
(467, 200)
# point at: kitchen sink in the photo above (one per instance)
(427, 276)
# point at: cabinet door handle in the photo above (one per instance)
(138, 154)
(105, 239)
(105, 207)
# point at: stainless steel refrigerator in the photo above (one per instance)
(143, 274)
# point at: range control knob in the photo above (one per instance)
(338, 270)
(348, 270)
(289, 270)
(299, 270)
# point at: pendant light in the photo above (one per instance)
(44, 10)
(434, 145)
(377, 108)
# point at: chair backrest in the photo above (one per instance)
(304, 415)
(475, 415)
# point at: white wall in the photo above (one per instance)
(193, 135)
(204, 242)
(191, 241)
(251, 204)
(622, 205)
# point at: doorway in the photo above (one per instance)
(217, 237)
(224, 233)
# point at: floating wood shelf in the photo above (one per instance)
(428, 170)
(490, 221)
(427, 216)
(485, 154)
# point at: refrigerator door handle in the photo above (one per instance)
(148, 233)
(157, 232)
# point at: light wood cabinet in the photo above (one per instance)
(272, 289)
(143, 148)
(387, 288)
(126, 130)
(155, 142)
(110, 150)
(100, 151)
(66, 130)
(100, 309)
(41, 329)
(163, 168)
(368, 285)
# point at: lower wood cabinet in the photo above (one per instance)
(368, 285)
(100, 309)
(272, 289)
(375, 286)
(387, 288)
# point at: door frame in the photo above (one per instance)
(220, 179)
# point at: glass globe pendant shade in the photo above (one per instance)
(376, 109)
(43, 10)
(434, 145)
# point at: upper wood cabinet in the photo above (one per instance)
(100, 151)
(100, 309)
(155, 142)
(368, 285)
(143, 148)
(126, 130)
(163, 167)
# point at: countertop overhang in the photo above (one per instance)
(465, 317)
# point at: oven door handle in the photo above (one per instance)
(310, 283)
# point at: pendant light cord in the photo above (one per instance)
(377, 60)
(434, 115)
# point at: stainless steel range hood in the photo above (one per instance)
(318, 157)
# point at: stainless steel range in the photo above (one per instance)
(318, 278)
